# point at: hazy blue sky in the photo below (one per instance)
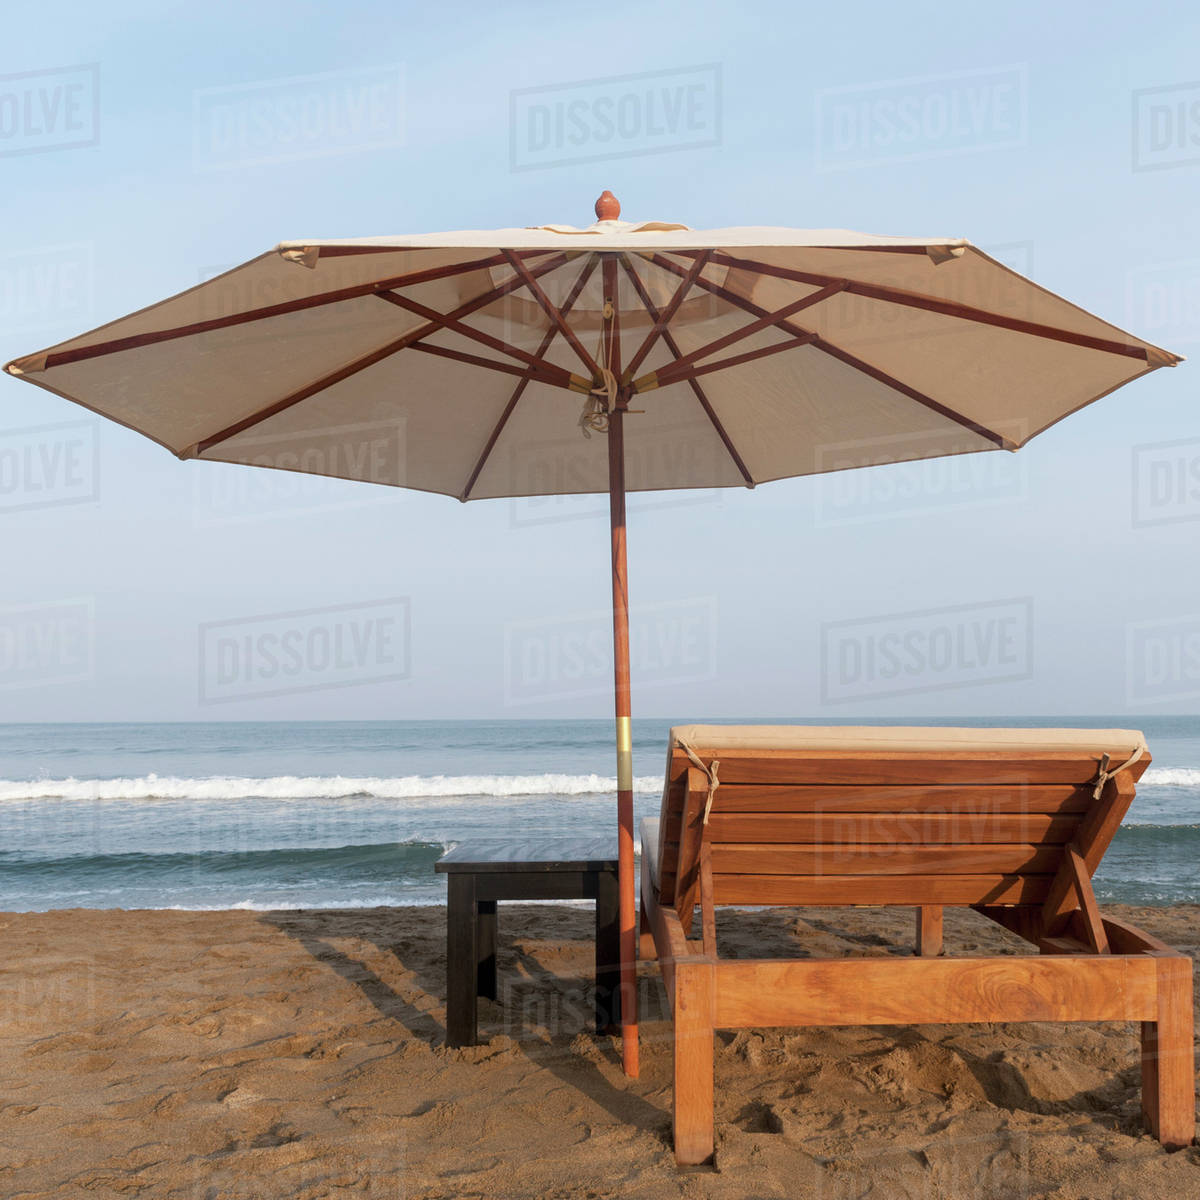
(1069, 572)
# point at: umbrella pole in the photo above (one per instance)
(607, 208)
(628, 908)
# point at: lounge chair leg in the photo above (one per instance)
(693, 1063)
(1168, 1063)
(929, 930)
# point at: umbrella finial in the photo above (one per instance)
(608, 207)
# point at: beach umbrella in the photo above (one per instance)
(619, 357)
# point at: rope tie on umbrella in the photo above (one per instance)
(710, 772)
(595, 411)
(1103, 774)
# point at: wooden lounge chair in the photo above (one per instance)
(1009, 822)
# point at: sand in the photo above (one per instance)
(239, 1055)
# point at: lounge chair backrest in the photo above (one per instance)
(888, 815)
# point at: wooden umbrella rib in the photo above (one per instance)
(921, 250)
(663, 319)
(529, 280)
(852, 360)
(552, 378)
(519, 390)
(138, 340)
(293, 398)
(849, 359)
(367, 360)
(612, 342)
(350, 251)
(473, 334)
(948, 308)
(776, 319)
(669, 375)
(697, 390)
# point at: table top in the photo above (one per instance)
(531, 854)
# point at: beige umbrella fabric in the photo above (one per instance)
(906, 348)
(619, 357)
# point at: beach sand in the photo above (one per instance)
(226, 1055)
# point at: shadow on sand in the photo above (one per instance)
(545, 998)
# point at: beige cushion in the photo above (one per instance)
(885, 739)
(649, 833)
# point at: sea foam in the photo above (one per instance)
(1171, 776)
(317, 787)
(406, 787)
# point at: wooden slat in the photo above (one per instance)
(670, 824)
(669, 859)
(834, 859)
(673, 786)
(895, 991)
(880, 889)
(686, 883)
(669, 828)
(1093, 838)
(978, 767)
(669, 939)
(708, 917)
(927, 800)
(931, 798)
(898, 828)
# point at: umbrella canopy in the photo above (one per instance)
(757, 353)
(726, 357)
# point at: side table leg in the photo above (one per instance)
(462, 960)
(608, 951)
(485, 935)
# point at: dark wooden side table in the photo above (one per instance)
(481, 872)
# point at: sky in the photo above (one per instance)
(145, 147)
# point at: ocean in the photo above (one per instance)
(276, 815)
